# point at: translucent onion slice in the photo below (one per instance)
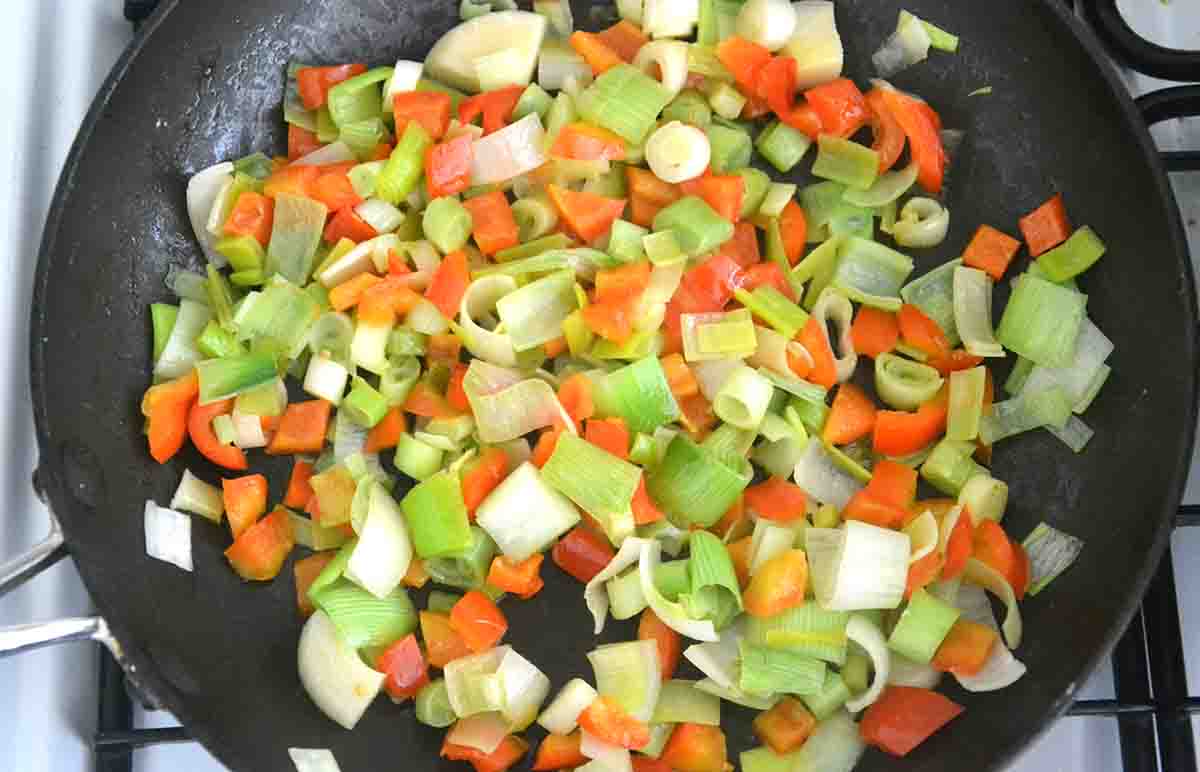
(985, 576)
(1001, 670)
(204, 190)
(562, 715)
(924, 533)
(333, 674)
(836, 308)
(482, 731)
(480, 298)
(866, 634)
(821, 477)
(510, 152)
(384, 550)
(904, 672)
(168, 535)
(313, 760)
(858, 567)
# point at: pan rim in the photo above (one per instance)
(145, 672)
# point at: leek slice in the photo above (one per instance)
(638, 393)
(773, 351)
(1042, 321)
(808, 629)
(866, 634)
(510, 152)
(198, 497)
(384, 551)
(966, 403)
(505, 513)
(507, 405)
(298, 224)
(561, 716)
(533, 314)
(598, 482)
(849, 163)
(672, 614)
(718, 659)
(629, 673)
(737, 696)
(333, 674)
(179, 355)
(681, 702)
(833, 695)
(924, 535)
(922, 627)
(1083, 376)
(870, 273)
(904, 384)
(1075, 434)
(768, 541)
(692, 485)
(479, 299)
(923, 223)
(1050, 553)
(907, 46)
(765, 670)
(815, 44)
(858, 567)
(951, 465)
(822, 478)
(362, 619)
(983, 575)
(973, 312)
(933, 293)
(594, 593)
(1025, 412)
(713, 591)
(525, 689)
(743, 399)
(1000, 671)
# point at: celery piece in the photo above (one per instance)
(363, 137)
(437, 517)
(465, 569)
(1074, 256)
(534, 99)
(731, 148)
(295, 235)
(933, 293)
(783, 145)
(406, 165)
(770, 305)
(625, 101)
(692, 486)
(364, 405)
(433, 705)
(847, 162)
(811, 412)
(327, 130)
(725, 100)
(703, 60)
(357, 98)
(417, 459)
(965, 403)
(406, 342)
(534, 248)
(625, 241)
(697, 227)
(447, 223)
(807, 630)
(689, 106)
(766, 671)
(922, 627)
(950, 465)
(230, 376)
(215, 341)
(1020, 373)
(1042, 321)
(162, 319)
(777, 197)
(244, 253)
(363, 619)
(870, 273)
(756, 183)
(820, 201)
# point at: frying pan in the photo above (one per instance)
(203, 83)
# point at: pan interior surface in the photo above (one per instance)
(206, 86)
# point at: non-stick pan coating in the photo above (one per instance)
(205, 86)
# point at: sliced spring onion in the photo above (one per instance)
(507, 405)
(933, 293)
(597, 481)
(595, 595)
(973, 312)
(765, 671)
(630, 673)
(822, 478)
(966, 403)
(871, 273)
(473, 683)
(866, 634)
(907, 46)
(692, 485)
(638, 393)
(333, 674)
(858, 567)
(904, 384)
(504, 513)
(672, 614)
(923, 223)
(198, 497)
(168, 535)
(1042, 321)
(562, 714)
(983, 575)
(1050, 553)
(1025, 412)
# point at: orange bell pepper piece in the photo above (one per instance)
(695, 748)
(334, 189)
(245, 501)
(585, 142)
(482, 476)
(645, 511)
(793, 226)
(851, 417)
(301, 142)
(966, 648)
(739, 553)
(924, 140)
(449, 283)
(588, 215)
(625, 39)
(492, 223)
(299, 491)
(205, 439)
(546, 443)
(166, 406)
(346, 224)
(348, 293)
(921, 332)
(609, 434)
(815, 340)
(302, 428)
(477, 619)
(898, 433)
(923, 573)
(778, 585)
(522, 579)
(889, 139)
(296, 180)
(258, 554)
(668, 642)
(1047, 226)
(443, 644)
(647, 195)
(386, 433)
(959, 546)
(606, 720)
(431, 109)
(595, 51)
(253, 214)
(745, 60)
(496, 107)
(559, 751)
(575, 395)
(991, 251)
(777, 499)
(786, 726)
(448, 166)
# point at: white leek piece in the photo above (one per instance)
(984, 497)
(769, 540)
(973, 312)
(368, 347)
(670, 18)
(333, 674)
(678, 152)
(313, 760)
(1050, 553)
(405, 77)
(983, 575)
(858, 567)
(835, 746)
(631, 674)
(718, 660)
(744, 398)
(203, 190)
(180, 355)
(712, 374)
(326, 378)
(524, 515)
(508, 405)
(380, 215)
(773, 352)
(198, 497)
(533, 314)
(525, 689)
(672, 614)
(836, 308)
(737, 696)
(473, 684)
(671, 56)
(815, 44)
(770, 23)
(924, 534)
(923, 223)
(384, 550)
(821, 477)
(510, 152)
(452, 58)
(168, 535)
(426, 319)
(595, 594)
(866, 634)
(562, 715)
(1001, 670)
(479, 299)
(904, 672)
(482, 731)
(247, 431)
(907, 46)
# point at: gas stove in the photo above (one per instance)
(67, 708)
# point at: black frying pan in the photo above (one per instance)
(203, 83)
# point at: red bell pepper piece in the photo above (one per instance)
(959, 547)
(889, 139)
(841, 107)
(245, 501)
(346, 224)
(582, 553)
(597, 53)
(920, 125)
(482, 476)
(205, 439)
(575, 395)
(334, 190)
(874, 332)
(306, 571)
(778, 585)
(588, 215)
(404, 665)
(299, 491)
(645, 511)
(496, 107)
(904, 717)
(302, 428)
(166, 407)
(670, 645)
(296, 180)
(777, 499)
(443, 644)
(954, 360)
(493, 224)
(815, 340)
(258, 554)
(643, 763)
(899, 433)
(695, 748)
(921, 332)
(625, 39)
(347, 294)
(449, 283)
(386, 434)
(301, 142)
(743, 247)
(477, 619)
(793, 227)
(425, 401)
(609, 434)
(314, 82)
(647, 195)
(745, 60)
(1047, 226)
(606, 720)
(777, 85)
(991, 251)
(253, 215)
(585, 142)
(922, 573)
(523, 579)
(431, 109)
(992, 546)
(724, 193)
(851, 417)
(966, 648)
(510, 750)
(448, 167)
(617, 284)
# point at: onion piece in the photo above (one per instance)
(384, 550)
(525, 689)
(671, 56)
(198, 497)
(719, 660)
(326, 378)
(248, 431)
(595, 595)
(504, 514)
(509, 152)
(985, 576)
(865, 633)
(670, 18)
(769, 23)
(204, 189)
(168, 535)
(405, 77)
(904, 672)
(821, 478)
(314, 760)
(815, 44)
(333, 674)
(611, 758)
(1001, 670)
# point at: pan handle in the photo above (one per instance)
(1173, 102)
(1134, 50)
(14, 572)
(22, 638)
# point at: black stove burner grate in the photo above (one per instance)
(1152, 706)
